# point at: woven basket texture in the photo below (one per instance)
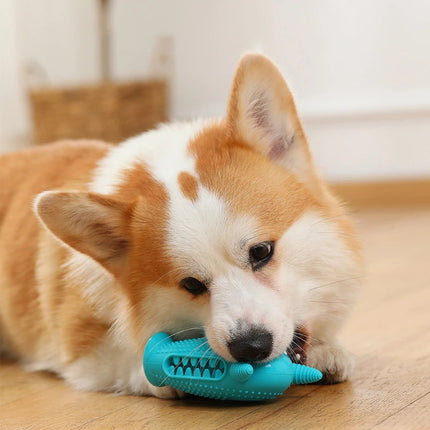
(111, 111)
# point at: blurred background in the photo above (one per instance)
(360, 72)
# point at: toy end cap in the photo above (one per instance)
(305, 374)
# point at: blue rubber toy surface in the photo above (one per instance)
(193, 367)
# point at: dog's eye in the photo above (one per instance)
(260, 254)
(193, 285)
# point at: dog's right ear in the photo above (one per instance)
(90, 223)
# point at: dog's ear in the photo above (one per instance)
(90, 223)
(262, 112)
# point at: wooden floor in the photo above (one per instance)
(389, 332)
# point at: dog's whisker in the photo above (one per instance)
(174, 334)
(325, 218)
(338, 302)
(306, 338)
(293, 354)
(187, 356)
(298, 346)
(302, 337)
(162, 276)
(203, 354)
(198, 362)
(217, 361)
(208, 349)
(336, 282)
(185, 330)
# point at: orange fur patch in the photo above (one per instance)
(249, 182)
(149, 264)
(148, 228)
(188, 185)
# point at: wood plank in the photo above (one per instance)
(60, 407)
(190, 412)
(16, 384)
(416, 416)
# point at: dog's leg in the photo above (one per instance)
(327, 354)
(332, 359)
(114, 371)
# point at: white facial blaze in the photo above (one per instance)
(238, 298)
(204, 237)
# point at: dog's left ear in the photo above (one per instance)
(262, 112)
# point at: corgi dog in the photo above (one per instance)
(219, 226)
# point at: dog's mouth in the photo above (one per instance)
(298, 346)
(296, 351)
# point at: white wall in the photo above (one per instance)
(61, 37)
(13, 119)
(360, 70)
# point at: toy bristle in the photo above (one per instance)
(207, 368)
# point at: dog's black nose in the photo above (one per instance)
(251, 345)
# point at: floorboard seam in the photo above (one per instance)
(401, 409)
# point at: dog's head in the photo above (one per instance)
(223, 225)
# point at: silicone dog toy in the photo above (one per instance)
(193, 367)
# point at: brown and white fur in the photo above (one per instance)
(95, 270)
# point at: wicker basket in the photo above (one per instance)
(109, 111)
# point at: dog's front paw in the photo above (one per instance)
(333, 360)
(166, 392)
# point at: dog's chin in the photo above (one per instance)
(297, 350)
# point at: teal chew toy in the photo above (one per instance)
(193, 367)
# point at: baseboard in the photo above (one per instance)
(388, 193)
